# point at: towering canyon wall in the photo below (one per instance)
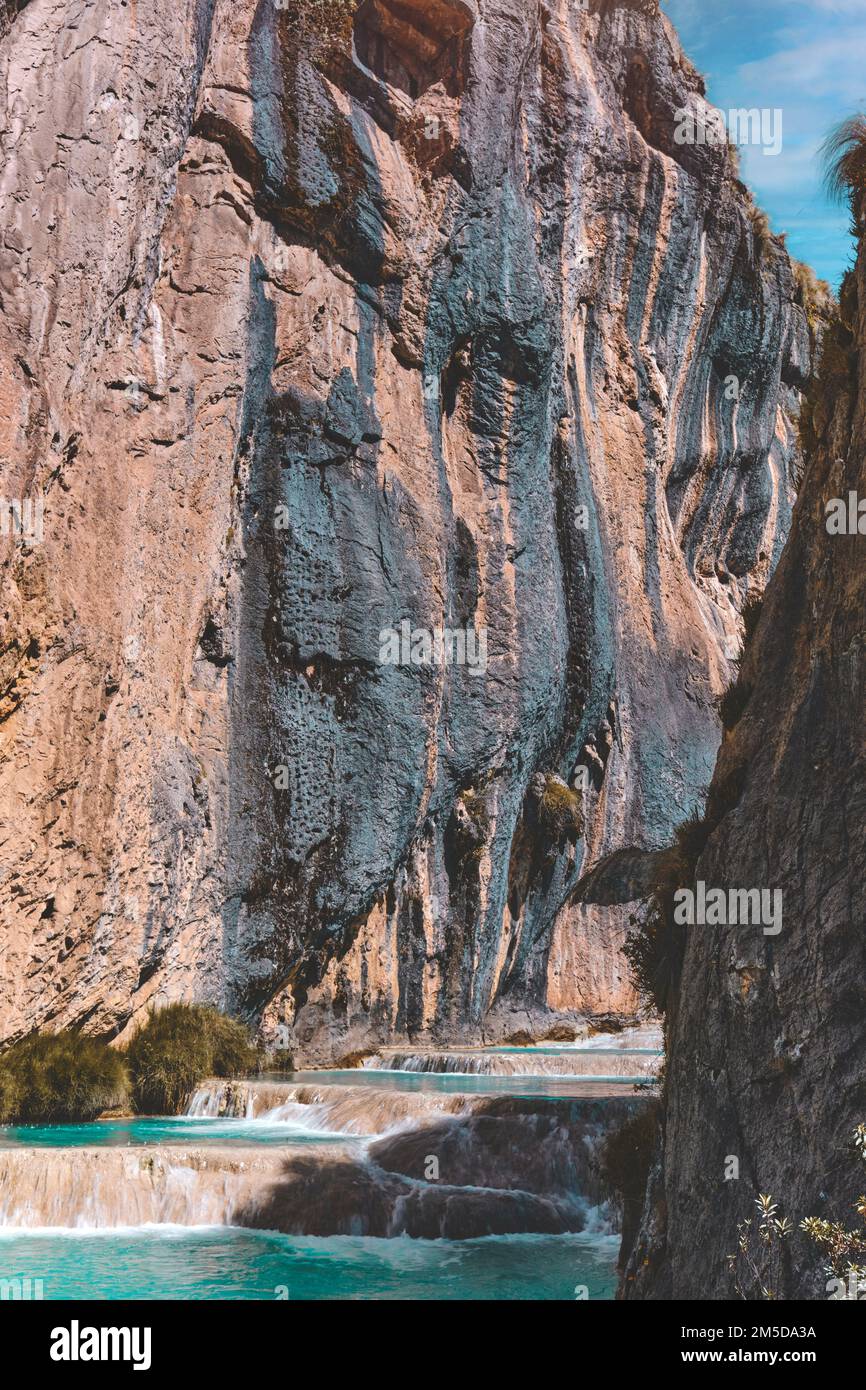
(315, 319)
(767, 1039)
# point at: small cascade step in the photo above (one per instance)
(611, 1065)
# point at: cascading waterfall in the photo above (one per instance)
(233, 1098)
(500, 1164)
(332, 1109)
(596, 1064)
(99, 1188)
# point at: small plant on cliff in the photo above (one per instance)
(52, 1078)
(844, 1250)
(844, 153)
(813, 295)
(759, 1265)
(469, 827)
(560, 810)
(754, 1265)
(177, 1048)
(760, 224)
(325, 21)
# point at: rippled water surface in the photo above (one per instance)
(184, 1130)
(228, 1263)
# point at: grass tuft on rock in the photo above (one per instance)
(560, 810)
(760, 225)
(57, 1078)
(177, 1048)
(844, 155)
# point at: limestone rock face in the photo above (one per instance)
(319, 319)
(767, 1042)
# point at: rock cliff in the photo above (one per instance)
(319, 319)
(767, 1036)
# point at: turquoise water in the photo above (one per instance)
(465, 1083)
(229, 1263)
(187, 1129)
(184, 1130)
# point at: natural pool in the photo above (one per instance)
(146, 1130)
(229, 1263)
(525, 1087)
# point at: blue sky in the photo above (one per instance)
(807, 58)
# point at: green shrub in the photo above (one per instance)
(655, 952)
(690, 840)
(757, 1267)
(52, 1078)
(8, 1096)
(469, 826)
(282, 1060)
(177, 1048)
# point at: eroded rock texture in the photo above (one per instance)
(767, 1042)
(315, 320)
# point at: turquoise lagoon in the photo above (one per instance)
(161, 1262)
